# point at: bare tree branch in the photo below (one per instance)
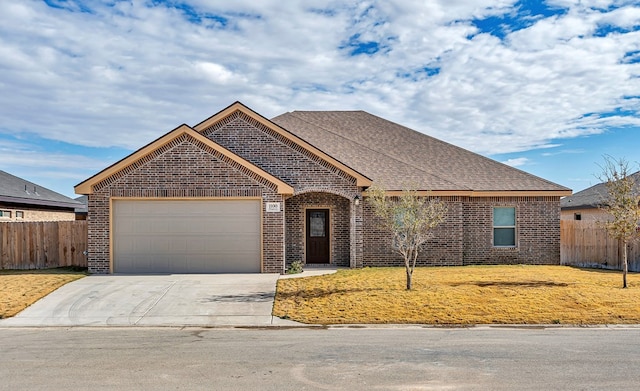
(410, 218)
(622, 203)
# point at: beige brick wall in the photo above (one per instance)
(591, 214)
(35, 214)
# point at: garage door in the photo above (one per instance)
(180, 236)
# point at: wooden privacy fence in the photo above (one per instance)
(41, 245)
(588, 244)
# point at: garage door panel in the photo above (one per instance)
(242, 244)
(180, 236)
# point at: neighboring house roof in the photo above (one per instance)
(84, 208)
(397, 156)
(86, 187)
(593, 196)
(16, 190)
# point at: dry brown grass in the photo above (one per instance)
(21, 288)
(462, 295)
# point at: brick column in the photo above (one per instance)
(356, 241)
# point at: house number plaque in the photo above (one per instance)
(273, 207)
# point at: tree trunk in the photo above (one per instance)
(624, 264)
(407, 266)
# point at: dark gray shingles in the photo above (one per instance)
(396, 155)
(393, 173)
(17, 190)
(84, 200)
(593, 196)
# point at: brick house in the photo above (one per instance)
(241, 193)
(23, 200)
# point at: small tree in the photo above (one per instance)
(622, 202)
(410, 218)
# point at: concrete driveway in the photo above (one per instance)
(157, 300)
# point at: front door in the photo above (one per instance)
(317, 235)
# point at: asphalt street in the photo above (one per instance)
(383, 358)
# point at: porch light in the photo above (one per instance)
(356, 200)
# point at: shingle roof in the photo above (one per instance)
(593, 196)
(84, 200)
(20, 191)
(396, 156)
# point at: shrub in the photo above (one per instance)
(295, 267)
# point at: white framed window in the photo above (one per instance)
(5, 214)
(504, 226)
(19, 214)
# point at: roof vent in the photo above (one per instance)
(35, 191)
(25, 190)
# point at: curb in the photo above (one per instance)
(347, 326)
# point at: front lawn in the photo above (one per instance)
(462, 295)
(21, 288)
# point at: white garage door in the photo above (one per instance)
(186, 236)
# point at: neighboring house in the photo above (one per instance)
(585, 204)
(21, 200)
(81, 211)
(241, 193)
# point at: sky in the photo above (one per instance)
(549, 87)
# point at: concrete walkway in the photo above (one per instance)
(310, 271)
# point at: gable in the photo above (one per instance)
(165, 144)
(300, 146)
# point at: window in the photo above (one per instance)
(317, 224)
(577, 216)
(504, 227)
(5, 213)
(19, 214)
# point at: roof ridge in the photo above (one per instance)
(371, 149)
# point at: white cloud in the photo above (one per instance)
(35, 159)
(517, 162)
(217, 73)
(128, 72)
(564, 152)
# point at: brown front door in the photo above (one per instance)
(317, 235)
